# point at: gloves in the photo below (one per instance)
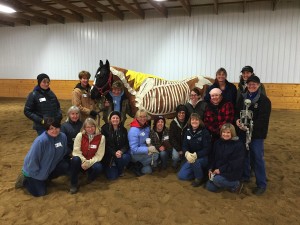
(93, 113)
(190, 157)
(151, 150)
(194, 155)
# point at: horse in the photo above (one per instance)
(153, 93)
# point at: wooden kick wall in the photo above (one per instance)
(282, 96)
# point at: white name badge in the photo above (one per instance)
(84, 95)
(93, 146)
(188, 137)
(166, 138)
(143, 134)
(58, 145)
(42, 99)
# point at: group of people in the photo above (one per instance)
(205, 141)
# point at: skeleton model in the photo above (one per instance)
(246, 121)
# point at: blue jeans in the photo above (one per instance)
(175, 157)
(146, 160)
(256, 156)
(93, 171)
(219, 182)
(39, 187)
(190, 171)
(164, 156)
(114, 172)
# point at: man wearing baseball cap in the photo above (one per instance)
(247, 71)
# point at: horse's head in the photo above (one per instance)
(102, 82)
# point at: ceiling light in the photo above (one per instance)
(6, 9)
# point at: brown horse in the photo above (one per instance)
(157, 95)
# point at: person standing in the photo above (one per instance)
(228, 89)
(41, 104)
(218, 112)
(247, 71)
(81, 97)
(261, 108)
(44, 161)
(196, 104)
(116, 100)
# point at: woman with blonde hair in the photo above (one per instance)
(227, 164)
(142, 154)
(89, 147)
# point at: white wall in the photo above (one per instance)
(174, 48)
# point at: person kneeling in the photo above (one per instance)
(44, 161)
(226, 168)
(196, 147)
(88, 151)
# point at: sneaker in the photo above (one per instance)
(196, 183)
(20, 181)
(73, 190)
(258, 191)
(239, 189)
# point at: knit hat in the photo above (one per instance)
(247, 68)
(113, 113)
(254, 79)
(41, 77)
(215, 91)
(156, 119)
(180, 108)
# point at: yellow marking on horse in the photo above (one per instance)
(139, 78)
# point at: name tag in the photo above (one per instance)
(58, 145)
(166, 138)
(42, 99)
(93, 146)
(143, 134)
(84, 95)
(188, 137)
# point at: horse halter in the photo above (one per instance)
(106, 85)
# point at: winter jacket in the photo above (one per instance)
(164, 141)
(137, 138)
(199, 108)
(124, 104)
(229, 93)
(261, 108)
(216, 115)
(115, 140)
(81, 97)
(44, 155)
(71, 129)
(228, 157)
(198, 141)
(91, 151)
(42, 104)
(176, 134)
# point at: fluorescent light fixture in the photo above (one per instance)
(6, 9)
(160, 0)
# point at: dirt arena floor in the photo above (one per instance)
(159, 198)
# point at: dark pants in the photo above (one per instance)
(114, 171)
(93, 171)
(39, 187)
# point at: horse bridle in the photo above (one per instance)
(107, 84)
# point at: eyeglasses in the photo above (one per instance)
(193, 95)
